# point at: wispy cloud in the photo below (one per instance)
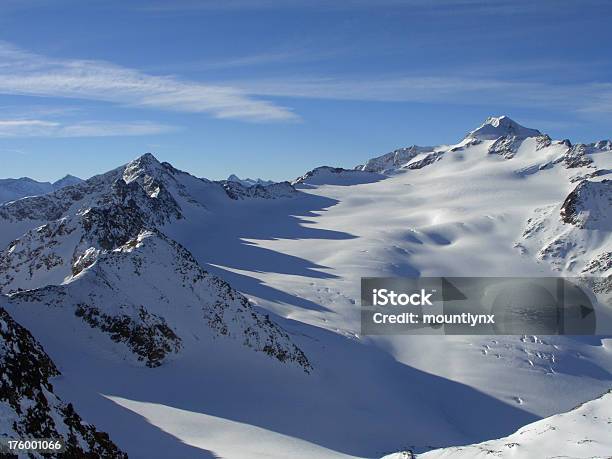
(254, 59)
(286, 57)
(12, 151)
(584, 98)
(46, 128)
(25, 73)
(28, 111)
(429, 6)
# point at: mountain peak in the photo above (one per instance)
(497, 120)
(68, 176)
(145, 165)
(495, 127)
(67, 180)
(148, 159)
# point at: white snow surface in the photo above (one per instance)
(583, 432)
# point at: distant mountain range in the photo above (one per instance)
(12, 189)
(248, 181)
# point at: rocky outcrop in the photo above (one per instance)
(30, 409)
(577, 156)
(236, 190)
(126, 295)
(393, 160)
(589, 205)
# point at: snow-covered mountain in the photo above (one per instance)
(248, 181)
(228, 317)
(495, 127)
(106, 253)
(236, 190)
(506, 134)
(396, 159)
(67, 180)
(573, 235)
(12, 189)
(151, 298)
(326, 175)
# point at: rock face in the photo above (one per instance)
(237, 190)
(52, 252)
(574, 235)
(393, 160)
(577, 156)
(426, 160)
(326, 175)
(507, 146)
(601, 265)
(589, 206)
(29, 407)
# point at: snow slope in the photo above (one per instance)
(125, 295)
(583, 432)
(464, 214)
(28, 406)
(152, 299)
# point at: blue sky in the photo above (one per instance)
(272, 88)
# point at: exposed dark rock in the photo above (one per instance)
(506, 146)
(393, 160)
(149, 338)
(589, 205)
(237, 190)
(27, 398)
(426, 161)
(543, 141)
